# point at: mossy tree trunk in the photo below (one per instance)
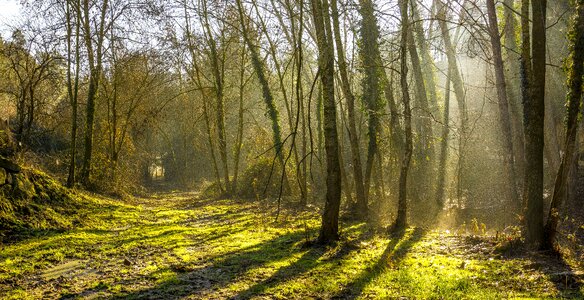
(402, 209)
(329, 230)
(361, 204)
(576, 71)
(258, 66)
(218, 76)
(94, 59)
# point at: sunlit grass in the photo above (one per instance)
(178, 245)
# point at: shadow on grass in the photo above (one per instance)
(217, 272)
(567, 280)
(306, 262)
(205, 278)
(395, 251)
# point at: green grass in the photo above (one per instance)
(177, 246)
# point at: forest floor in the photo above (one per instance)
(175, 245)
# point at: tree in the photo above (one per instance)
(533, 87)
(72, 15)
(273, 113)
(504, 117)
(361, 204)
(95, 51)
(574, 103)
(459, 92)
(511, 74)
(217, 67)
(329, 230)
(402, 209)
(369, 51)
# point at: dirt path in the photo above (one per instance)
(174, 245)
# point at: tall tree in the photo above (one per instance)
(329, 230)
(439, 195)
(504, 117)
(361, 204)
(576, 71)
(72, 14)
(94, 47)
(533, 73)
(512, 76)
(402, 209)
(369, 51)
(217, 67)
(259, 69)
(459, 92)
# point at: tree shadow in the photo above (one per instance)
(400, 244)
(567, 280)
(306, 262)
(203, 277)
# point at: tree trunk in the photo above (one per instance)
(534, 115)
(456, 80)
(504, 117)
(402, 209)
(361, 204)
(394, 125)
(329, 230)
(266, 92)
(95, 65)
(73, 87)
(512, 76)
(426, 134)
(574, 103)
(426, 60)
(370, 55)
(443, 147)
(216, 67)
(196, 77)
(239, 137)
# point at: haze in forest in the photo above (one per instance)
(339, 122)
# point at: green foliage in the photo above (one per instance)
(261, 179)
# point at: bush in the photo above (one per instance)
(256, 178)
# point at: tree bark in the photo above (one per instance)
(216, 67)
(266, 92)
(513, 97)
(426, 60)
(329, 230)
(73, 85)
(534, 114)
(402, 209)
(574, 103)
(95, 66)
(456, 80)
(443, 147)
(370, 55)
(361, 204)
(504, 117)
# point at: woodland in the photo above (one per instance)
(292, 149)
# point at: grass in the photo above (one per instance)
(178, 246)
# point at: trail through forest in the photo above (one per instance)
(177, 245)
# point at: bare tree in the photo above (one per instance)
(402, 209)
(329, 230)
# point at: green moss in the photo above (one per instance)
(180, 246)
